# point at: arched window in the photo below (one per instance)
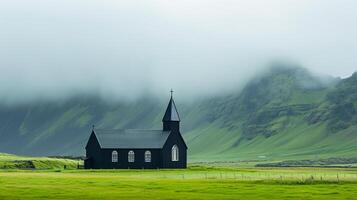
(114, 156)
(147, 156)
(174, 153)
(131, 156)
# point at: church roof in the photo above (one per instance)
(171, 113)
(131, 138)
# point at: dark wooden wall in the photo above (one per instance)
(174, 138)
(160, 158)
(139, 162)
(93, 153)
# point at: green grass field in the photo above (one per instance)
(44, 178)
(193, 183)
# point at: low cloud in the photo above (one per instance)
(54, 50)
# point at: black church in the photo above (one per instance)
(139, 149)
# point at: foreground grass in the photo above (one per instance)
(194, 183)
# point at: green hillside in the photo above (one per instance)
(287, 113)
(283, 115)
(9, 161)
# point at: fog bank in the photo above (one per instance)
(125, 49)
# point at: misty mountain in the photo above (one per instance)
(285, 113)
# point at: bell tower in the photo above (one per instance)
(171, 119)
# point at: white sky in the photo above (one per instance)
(57, 48)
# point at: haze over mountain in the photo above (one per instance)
(285, 113)
(55, 50)
(65, 65)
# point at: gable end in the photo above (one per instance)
(93, 140)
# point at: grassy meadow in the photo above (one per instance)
(197, 182)
(45, 178)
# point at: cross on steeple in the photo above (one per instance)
(171, 91)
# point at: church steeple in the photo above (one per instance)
(171, 113)
(171, 119)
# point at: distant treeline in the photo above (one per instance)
(69, 157)
(320, 162)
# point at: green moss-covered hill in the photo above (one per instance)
(287, 113)
(9, 161)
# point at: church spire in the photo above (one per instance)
(171, 119)
(171, 114)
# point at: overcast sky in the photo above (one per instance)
(121, 49)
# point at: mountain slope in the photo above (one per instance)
(285, 113)
(279, 116)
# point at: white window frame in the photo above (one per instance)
(147, 156)
(175, 153)
(131, 156)
(114, 156)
